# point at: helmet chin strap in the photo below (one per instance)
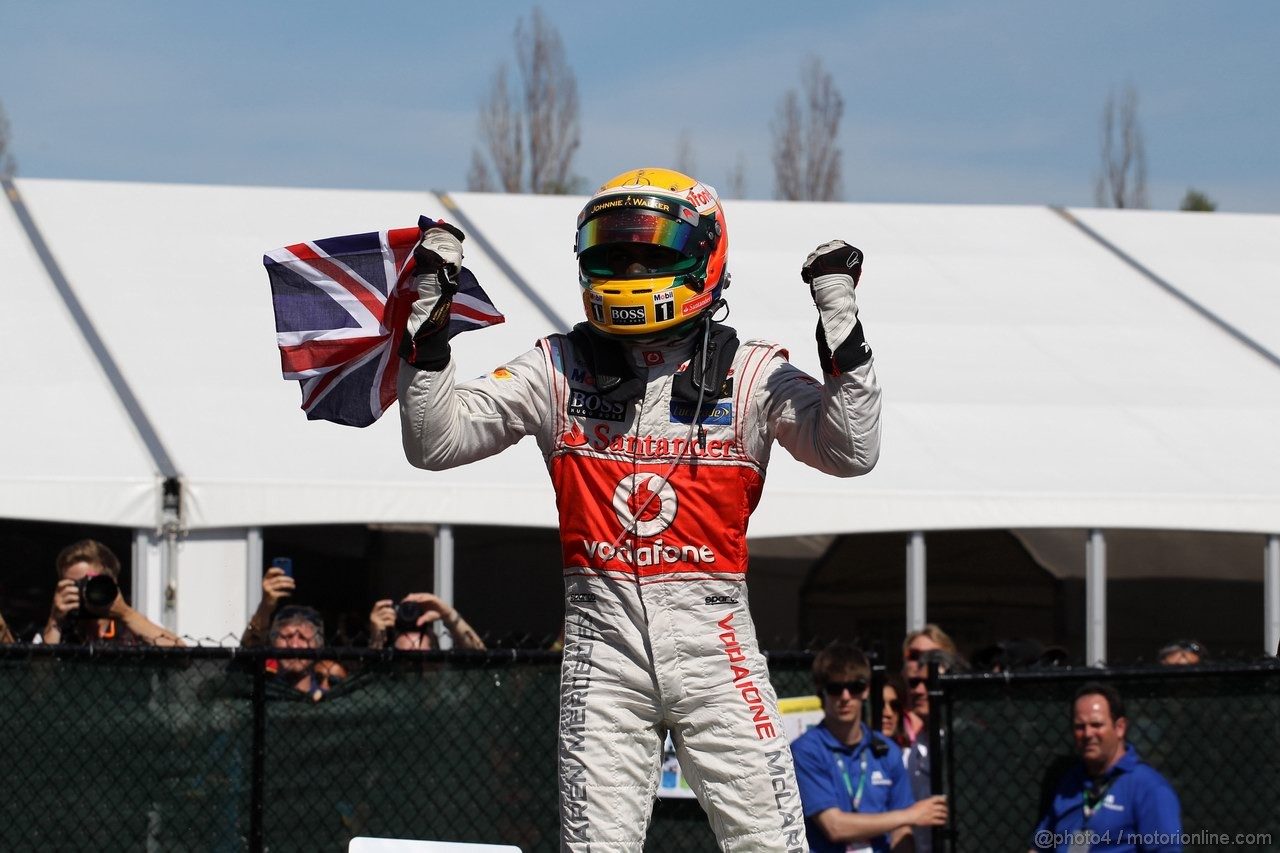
(709, 366)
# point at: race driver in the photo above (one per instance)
(656, 425)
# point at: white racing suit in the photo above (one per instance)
(658, 636)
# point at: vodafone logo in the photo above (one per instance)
(644, 504)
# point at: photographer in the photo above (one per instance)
(411, 621)
(277, 585)
(88, 606)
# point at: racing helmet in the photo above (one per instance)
(651, 248)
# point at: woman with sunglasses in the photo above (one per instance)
(892, 707)
(916, 700)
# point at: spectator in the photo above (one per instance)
(916, 756)
(102, 615)
(330, 673)
(1111, 792)
(6, 636)
(892, 708)
(276, 586)
(927, 639)
(1182, 653)
(293, 627)
(296, 627)
(853, 786)
(412, 623)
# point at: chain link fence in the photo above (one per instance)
(1213, 732)
(202, 750)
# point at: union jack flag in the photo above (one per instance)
(341, 305)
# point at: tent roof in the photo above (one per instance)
(1032, 377)
(70, 452)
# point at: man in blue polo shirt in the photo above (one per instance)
(853, 785)
(1111, 800)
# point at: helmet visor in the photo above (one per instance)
(613, 242)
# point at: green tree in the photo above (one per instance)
(1196, 200)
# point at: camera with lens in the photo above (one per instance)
(407, 615)
(97, 594)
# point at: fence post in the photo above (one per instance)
(877, 685)
(258, 761)
(948, 746)
(935, 746)
(1271, 596)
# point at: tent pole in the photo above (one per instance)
(444, 573)
(253, 572)
(170, 531)
(147, 587)
(916, 568)
(1095, 593)
(1271, 595)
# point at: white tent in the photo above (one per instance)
(1038, 373)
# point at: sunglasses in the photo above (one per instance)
(913, 683)
(835, 688)
(1182, 646)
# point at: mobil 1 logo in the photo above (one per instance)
(626, 315)
(664, 306)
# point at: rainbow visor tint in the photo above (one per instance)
(652, 240)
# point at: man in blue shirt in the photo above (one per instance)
(853, 785)
(1111, 800)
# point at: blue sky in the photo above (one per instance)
(973, 102)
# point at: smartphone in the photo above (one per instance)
(285, 563)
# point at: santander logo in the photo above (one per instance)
(575, 437)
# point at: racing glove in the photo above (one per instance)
(832, 271)
(438, 262)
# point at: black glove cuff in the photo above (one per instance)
(429, 348)
(850, 355)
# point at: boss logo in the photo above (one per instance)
(585, 404)
(582, 598)
(628, 315)
(720, 599)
